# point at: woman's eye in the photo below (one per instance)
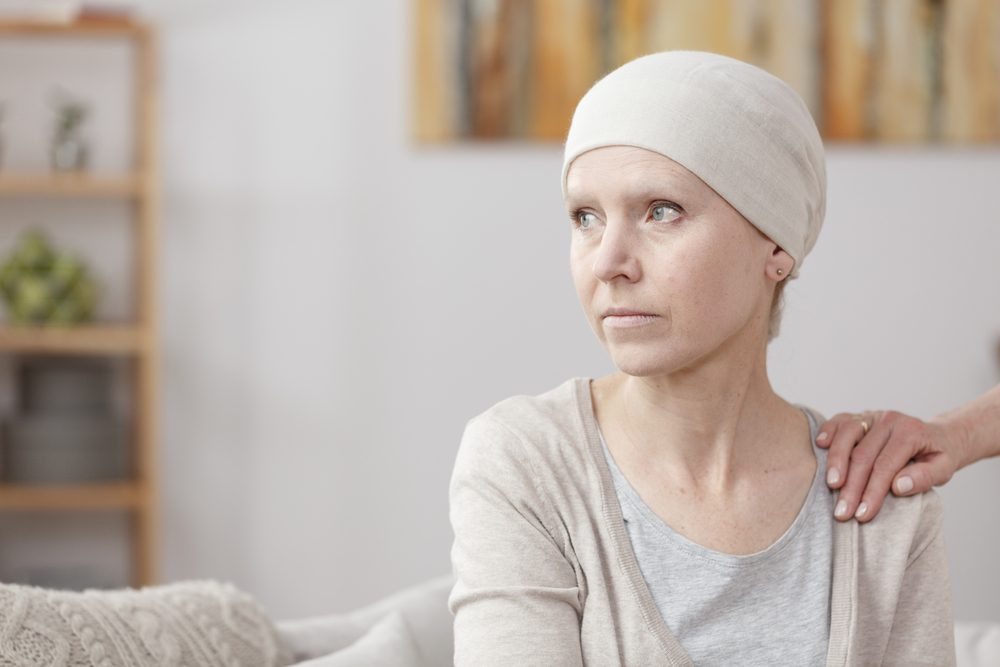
(664, 212)
(582, 219)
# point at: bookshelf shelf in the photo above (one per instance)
(82, 340)
(85, 27)
(43, 184)
(117, 495)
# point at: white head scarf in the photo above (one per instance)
(741, 130)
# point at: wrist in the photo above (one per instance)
(957, 435)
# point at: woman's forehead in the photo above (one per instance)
(627, 172)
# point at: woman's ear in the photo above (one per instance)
(779, 265)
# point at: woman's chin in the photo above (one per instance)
(644, 363)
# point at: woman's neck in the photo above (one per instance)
(710, 428)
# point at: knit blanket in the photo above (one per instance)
(187, 624)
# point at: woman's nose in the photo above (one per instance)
(616, 254)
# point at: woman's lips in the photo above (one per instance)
(628, 321)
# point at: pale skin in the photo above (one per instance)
(904, 454)
(690, 416)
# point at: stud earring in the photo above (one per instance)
(781, 272)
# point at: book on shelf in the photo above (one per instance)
(42, 11)
(67, 11)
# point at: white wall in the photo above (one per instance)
(372, 296)
(338, 302)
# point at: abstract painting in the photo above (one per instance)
(870, 70)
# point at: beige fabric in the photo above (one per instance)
(743, 131)
(206, 623)
(545, 573)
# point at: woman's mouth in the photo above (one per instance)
(627, 321)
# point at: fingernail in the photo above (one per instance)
(832, 476)
(904, 484)
(862, 508)
(822, 436)
(841, 509)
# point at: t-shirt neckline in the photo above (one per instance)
(700, 551)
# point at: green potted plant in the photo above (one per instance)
(69, 149)
(40, 285)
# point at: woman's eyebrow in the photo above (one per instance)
(573, 203)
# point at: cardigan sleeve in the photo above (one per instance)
(516, 599)
(923, 631)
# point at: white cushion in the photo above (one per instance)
(386, 644)
(977, 644)
(422, 610)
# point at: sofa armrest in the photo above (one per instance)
(423, 608)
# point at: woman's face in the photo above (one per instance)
(651, 237)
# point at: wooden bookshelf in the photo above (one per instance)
(118, 495)
(76, 340)
(86, 186)
(137, 340)
(84, 27)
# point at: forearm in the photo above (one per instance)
(975, 427)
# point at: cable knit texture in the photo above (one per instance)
(187, 624)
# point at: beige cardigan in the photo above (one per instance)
(546, 575)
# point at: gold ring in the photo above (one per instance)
(864, 424)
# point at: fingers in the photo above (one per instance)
(898, 453)
(843, 431)
(913, 479)
(932, 470)
(862, 462)
(827, 431)
(895, 453)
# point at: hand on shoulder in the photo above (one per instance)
(875, 452)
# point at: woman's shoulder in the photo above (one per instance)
(902, 530)
(816, 417)
(534, 417)
(536, 431)
(538, 410)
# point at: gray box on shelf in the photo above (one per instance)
(65, 432)
(65, 449)
(65, 385)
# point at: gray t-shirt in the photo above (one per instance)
(767, 608)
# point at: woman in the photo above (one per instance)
(675, 512)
